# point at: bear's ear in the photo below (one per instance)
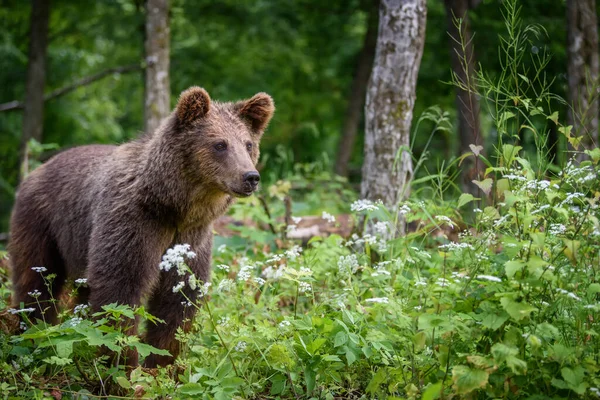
(193, 104)
(257, 111)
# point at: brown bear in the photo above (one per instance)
(109, 213)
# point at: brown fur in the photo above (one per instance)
(108, 213)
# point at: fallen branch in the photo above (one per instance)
(18, 105)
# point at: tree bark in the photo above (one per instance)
(582, 49)
(157, 106)
(358, 91)
(463, 72)
(387, 168)
(33, 115)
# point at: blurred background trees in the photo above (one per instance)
(101, 66)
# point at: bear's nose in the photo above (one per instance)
(252, 178)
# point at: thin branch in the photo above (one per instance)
(18, 105)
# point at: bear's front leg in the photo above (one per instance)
(124, 254)
(173, 307)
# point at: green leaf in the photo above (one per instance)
(378, 379)
(485, 185)
(554, 117)
(494, 321)
(432, 392)
(123, 382)
(575, 379)
(191, 389)
(594, 154)
(593, 289)
(419, 340)
(465, 198)
(512, 267)
(310, 377)
(64, 349)
(517, 310)
(145, 350)
(468, 379)
(340, 339)
(350, 356)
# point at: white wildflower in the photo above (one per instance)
(542, 208)
(178, 287)
(404, 210)
(81, 281)
(347, 264)
(568, 294)
(557, 229)
(175, 257)
(380, 300)
(80, 309)
(225, 285)
(223, 321)
(35, 294)
(74, 321)
(381, 228)
(304, 287)
(293, 253)
(446, 220)
(22, 310)
(193, 282)
(453, 246)
(274, 273)
(241, 346)
(328, 217)
(222, 248)
(363, 205)
(489, 278)
(245, 273)
(223, 267)
(203, 290)
(284, 324)
(259, 281)
(39, 269)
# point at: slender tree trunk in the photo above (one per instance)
(157, 105)
(463, 71)
(387, 169)
(582, 48)
(33, 107)
(358, 91)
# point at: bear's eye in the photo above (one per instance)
(249, 146)
(221, 146)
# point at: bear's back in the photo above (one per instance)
(58, 198)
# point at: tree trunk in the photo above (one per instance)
(358, 91)
(582, 48)
(463, 71)
(387, 168)
(157, 105)
(33, 108)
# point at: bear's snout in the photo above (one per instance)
(251, 180)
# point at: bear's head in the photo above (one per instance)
(223, 139)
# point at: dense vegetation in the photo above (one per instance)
(491, 297)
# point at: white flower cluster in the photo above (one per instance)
(570, 197)
(364, 205)
(381, 228)
(245, 272)
(284, 324)
(347, 264)
(225, 285)
(39, 269)
(568, 294)
(380, 300)
(293, 253)
(178, 286)
(274, 273)
(203, 290)
(222, 248)
(328, 217)
(81, 309)
(81, 281)
(404, 209)
(22, 310)
(304, 287)
(74, 321)
(490, 278)
(557, 229)
(446, 220)
(223, 321)
(223, 267)
(535, 185)
(241, 346)
(35, 294)
(453, 246)
(175, 258)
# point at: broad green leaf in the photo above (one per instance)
(485, 185)
(123, 382)
(310, 377)
(340, 339)
(191, 389)
(554, 117)
(376, 380)
(466, 379)
(574, 377)
(593, 289)
(465, 198)
(594, 154)
(512, 267)
(145, 350)
(432, 392)
(494, 321)
(419, 340)
(517, 310)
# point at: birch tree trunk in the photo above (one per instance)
(463, 71)
(387, 168)
(582, 49)
(33, 107)
(157, 45)
(356, 102)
